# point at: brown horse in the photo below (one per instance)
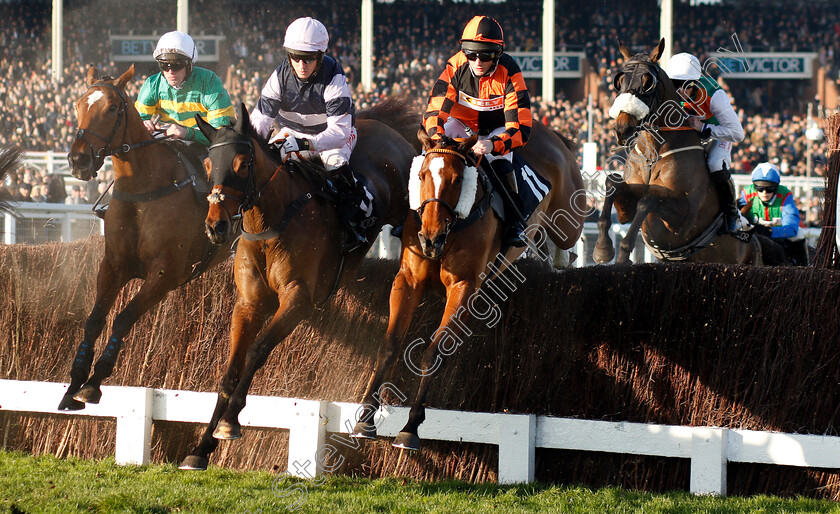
(667, 192)
(452, 241)
(151, 189)
(9, 163)
(289, 259)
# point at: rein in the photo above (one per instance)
(478, 209)
(250, 196)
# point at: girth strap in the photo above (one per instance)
(152, 195)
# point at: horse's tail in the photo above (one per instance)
(9, 162)
(569, 141)
(398, 113)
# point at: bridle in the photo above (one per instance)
(245, 196)
(452, 217)
(243, 190)
(107, 149)
(635, 71)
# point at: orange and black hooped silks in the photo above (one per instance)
(484, 104)
(484, 30)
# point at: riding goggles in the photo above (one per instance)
(766, 189)
(483, 56)
(172, 65)
(306, 58)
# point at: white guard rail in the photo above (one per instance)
(316, 428)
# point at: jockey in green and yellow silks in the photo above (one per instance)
(180, 91)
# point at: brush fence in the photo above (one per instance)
(316, 428)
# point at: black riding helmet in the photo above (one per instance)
(483, 34)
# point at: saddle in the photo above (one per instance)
(532, 187)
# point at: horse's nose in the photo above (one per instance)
(217, 231)
(432, 248)
(80, 165)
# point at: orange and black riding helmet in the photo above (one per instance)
(483, 33)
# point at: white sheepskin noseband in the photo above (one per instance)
(631, 104)
(469, 186)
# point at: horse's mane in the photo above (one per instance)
(397, 113)
(9, 162)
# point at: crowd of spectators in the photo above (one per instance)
(412, 41)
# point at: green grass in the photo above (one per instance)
(47, 484)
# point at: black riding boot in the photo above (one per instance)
(726, 198)
(350, 195)
(514, 232)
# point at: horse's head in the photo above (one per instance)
(442, 188)
(641, 87)
(230, 171)
(102, 114)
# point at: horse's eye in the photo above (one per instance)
(649, 82)
(459, 180)
(617, 81)
(112, 108)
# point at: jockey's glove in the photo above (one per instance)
(295, 144)
(764, 231)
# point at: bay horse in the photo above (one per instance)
(667, 191)
(9, 163)
(154, 226)
(450, 241)
(289, 259)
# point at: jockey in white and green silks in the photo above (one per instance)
(712, 115)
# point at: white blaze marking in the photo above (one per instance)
(95, 97)
(435, 166)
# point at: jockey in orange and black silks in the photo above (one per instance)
(482, 91)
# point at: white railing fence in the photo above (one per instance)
(316, 428)
(37, 223)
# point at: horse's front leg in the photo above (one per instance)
(450, 331)
(153, 290)
(405, 295)
(108, 285)
(248, 317)
(295, 302)
(616, 190)
(645, 206)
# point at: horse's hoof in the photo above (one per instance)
(603, 255)
(89, 394)
(364, 431)
(227, 431)
(68, 403)
(406, 441)
(194, 463)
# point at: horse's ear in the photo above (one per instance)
(424, 139)
(125, 77)
(92, 75)
(467, 144)
(656, 53)
(241, 117)
(207, 129)
(624, 51)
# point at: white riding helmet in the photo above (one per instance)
(684, 67)
(306, 35)
(174, 44)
